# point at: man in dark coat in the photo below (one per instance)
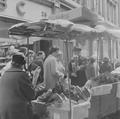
(105, 66)
(15, 91)
(38, 62)
(90, 69)
(77, 77)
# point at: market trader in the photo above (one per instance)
(15, 91)
(77, 68)
(51, 74)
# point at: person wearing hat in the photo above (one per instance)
(90, 69)
(51, 73)
(77, 68)
(16, 91)
(38, 63)
(60, 65)
(105, 66)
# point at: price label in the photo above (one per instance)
(56, 116)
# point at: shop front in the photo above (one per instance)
(83, 15)
(17, 11)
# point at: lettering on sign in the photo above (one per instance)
(43, 14)
(19, 8)
(3, 5)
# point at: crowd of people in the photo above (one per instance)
(17, 84)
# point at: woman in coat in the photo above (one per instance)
(51, 73)
(15, 91)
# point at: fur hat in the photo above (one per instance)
(77, 48)
(18, 59)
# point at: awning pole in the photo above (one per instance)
(97, 56)
(69, 81)
(27, 52)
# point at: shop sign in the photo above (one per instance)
(69, 15)
(43, 14)
(19, 8)
(56, 3)
(3, 5)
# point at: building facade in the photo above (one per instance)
(99, 12)
(109, 11)
(16, 11)
(89, 12)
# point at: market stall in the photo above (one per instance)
(74, 102)
(55, 29)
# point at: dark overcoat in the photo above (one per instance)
(15, 92)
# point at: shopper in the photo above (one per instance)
(81, 73)
(105, 66)
(77, 68)
(73, 70)
(51, 73)
(38, 63)
(90, 69)
(60, 65)
(16, 91)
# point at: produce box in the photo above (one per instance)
(118, 90)
(118, 96)
(94, 109)
(103, 101)
(39, 108)
(79, 111)
(101, 90)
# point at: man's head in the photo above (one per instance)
(77, 51)
(91, 60)
(41, 55)
(23, 50)
(60, 56)
(75, 58)
(54, 51)
(18, 60)
(105, 60)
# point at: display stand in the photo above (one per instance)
(52, 29)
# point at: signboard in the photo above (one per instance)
(56, 116)
(25, 10)
(19, 8)
(3, 5)
(69, 15)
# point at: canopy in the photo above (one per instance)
(115, 32)
(51, 29)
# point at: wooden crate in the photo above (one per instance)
(79, 111)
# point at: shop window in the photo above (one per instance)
(103, 8)
(99, 7)
(117, 49)
(93, 5)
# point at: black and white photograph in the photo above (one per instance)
(59, 59)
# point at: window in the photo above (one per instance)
(78, 1)
(108, 10)
(114, 15)
(112, 11)
(117, 49)
(103, 8)
(99, 6)
(93, 5)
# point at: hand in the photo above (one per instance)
(78, 68)
(74, 74)
(61, 76)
